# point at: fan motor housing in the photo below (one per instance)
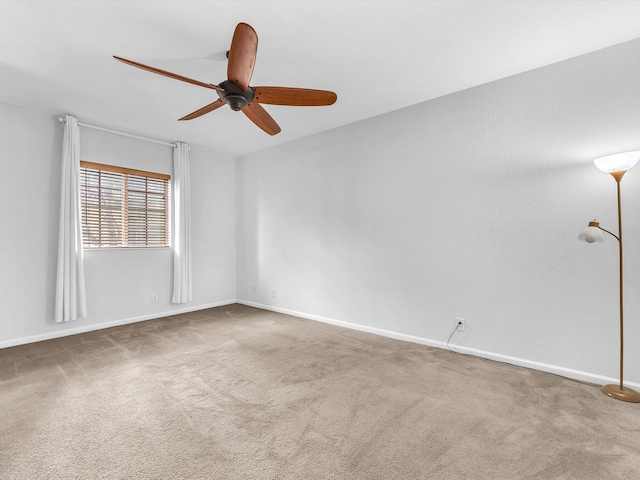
(234, 96)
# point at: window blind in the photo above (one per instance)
(122, 207)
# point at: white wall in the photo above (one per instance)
(120, 282)
(465, 206)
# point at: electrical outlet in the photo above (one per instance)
(273, 293)
(254, 290)
(461, 324)
(154, 298)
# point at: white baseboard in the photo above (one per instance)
(109, 324)
(520, 362)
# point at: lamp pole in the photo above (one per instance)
(620, 392)
(618, 178)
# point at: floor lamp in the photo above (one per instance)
(616, 165)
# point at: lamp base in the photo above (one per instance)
(625, 394)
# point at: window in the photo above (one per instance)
(123, 207)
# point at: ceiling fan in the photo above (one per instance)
(236, 92)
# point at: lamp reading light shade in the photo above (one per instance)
(592, 234)
(619, 162)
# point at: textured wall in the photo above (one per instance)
(468, 205)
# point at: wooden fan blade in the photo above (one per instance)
(261, 118)
(297, 97)
(169, 74)
(242, 55)
(198, 113)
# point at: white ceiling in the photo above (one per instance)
(378, 56)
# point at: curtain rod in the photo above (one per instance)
(124, 134)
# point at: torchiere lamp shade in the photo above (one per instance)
(619, 162)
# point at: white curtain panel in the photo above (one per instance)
(181, 225)
(71, 302)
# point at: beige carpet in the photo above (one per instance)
(239, 393)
